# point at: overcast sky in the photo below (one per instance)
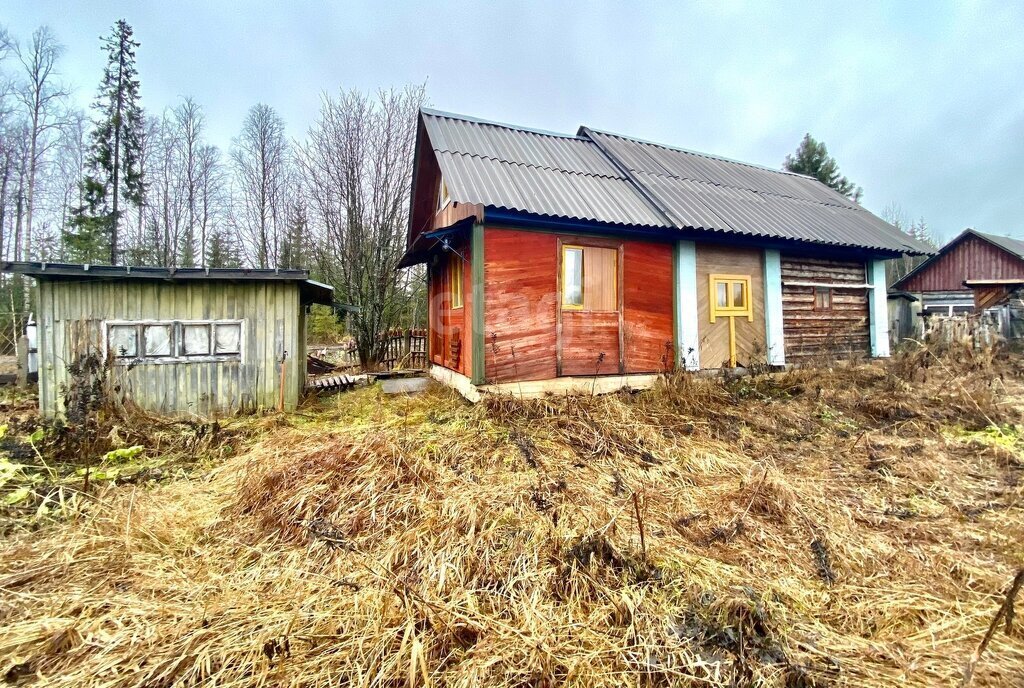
(920, 102)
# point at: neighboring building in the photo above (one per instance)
(180, 341)
(974, 272)
(554, 257)
(971, 256)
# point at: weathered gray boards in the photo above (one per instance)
(179, 342)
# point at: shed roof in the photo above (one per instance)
(1012, 246)
(311, 290)
(618, 180)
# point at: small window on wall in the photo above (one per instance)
(729, 296)
(455, 280)
(589, 278)
(195, 339)
(123, 340)
(174, 341)
(822, 299)
(442, 195)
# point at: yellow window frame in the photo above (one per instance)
(456, 276)
(561, 268)
(731, 310)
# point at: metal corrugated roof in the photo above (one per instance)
(535, 172)
(1014, 246)
(615, 179)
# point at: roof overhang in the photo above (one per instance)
(429, 242)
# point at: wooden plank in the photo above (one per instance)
(520, 269)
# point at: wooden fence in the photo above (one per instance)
(401, 348)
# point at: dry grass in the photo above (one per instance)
(854, 526)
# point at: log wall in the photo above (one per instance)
(842, 329)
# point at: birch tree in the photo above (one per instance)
(43, 100)
(260, 154)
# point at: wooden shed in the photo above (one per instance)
(202, 342)
(597, 260)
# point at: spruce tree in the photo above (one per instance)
(813, 160)
(115, 176)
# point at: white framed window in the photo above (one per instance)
(173, 341)
(443, 199)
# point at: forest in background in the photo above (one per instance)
(123, 184)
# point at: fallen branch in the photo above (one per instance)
(1005, 611)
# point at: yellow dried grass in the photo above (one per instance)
(422, 541)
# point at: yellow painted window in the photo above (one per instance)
(730, 296)
(455, 275)
(590, 278)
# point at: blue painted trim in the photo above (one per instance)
(687, 335)
(773, 322)
(878, 309)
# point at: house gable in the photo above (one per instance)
(970, 256)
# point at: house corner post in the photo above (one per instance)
(684, 298)
(775, 341)
(477, 270)
(878, 310)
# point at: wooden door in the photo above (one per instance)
(590, 307)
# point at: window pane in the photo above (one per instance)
(158, 340)
(739, 297)
(456, 281)
(599, 279)
(123, 340)
(195, 340)
(822, 298)
(572, 277)
(228, 338)
(722, 296)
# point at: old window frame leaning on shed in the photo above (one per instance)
(216, 350)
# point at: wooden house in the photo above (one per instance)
(201, 342)
(596, 260)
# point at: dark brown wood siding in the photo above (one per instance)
(839, 330)
(972, 258)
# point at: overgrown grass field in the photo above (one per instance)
(852, 526)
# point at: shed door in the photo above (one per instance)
(590, 307)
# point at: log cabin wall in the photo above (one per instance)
(814, 325)
(972, 258)
(521, 311)
(714, 337)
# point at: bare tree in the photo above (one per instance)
(262, 164)
(357, 166)
(188, 118)
(43, 101)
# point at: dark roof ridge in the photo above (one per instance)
(700, 154)
(530, 165)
